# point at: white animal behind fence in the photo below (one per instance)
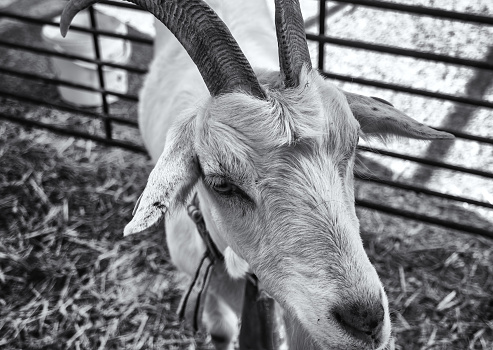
(270, 154)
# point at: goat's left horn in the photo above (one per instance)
(204, 36)
(291, 39)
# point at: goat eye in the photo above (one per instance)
(226, 188)
(223, 187)
(220, 185)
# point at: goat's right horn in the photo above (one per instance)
(204, 36)
(291, 39)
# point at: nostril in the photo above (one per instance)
(360, 322)
(338, 317)
(349, 327)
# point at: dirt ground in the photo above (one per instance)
(69, 280)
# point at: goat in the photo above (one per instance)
(270, 154)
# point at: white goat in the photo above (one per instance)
(271, 157)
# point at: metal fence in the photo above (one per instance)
(110, 119)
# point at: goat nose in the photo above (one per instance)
(364, 322)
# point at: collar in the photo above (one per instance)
(261, 317)
(195, 214)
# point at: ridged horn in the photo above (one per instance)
(291, 39)
(204, 36)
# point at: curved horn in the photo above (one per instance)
(204, 36)
(291, 39)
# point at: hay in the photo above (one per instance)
(68, 279)
(439, 285)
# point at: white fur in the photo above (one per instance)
(236, 266)
(292, 156)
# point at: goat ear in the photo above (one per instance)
(378, 117)
(169, 183)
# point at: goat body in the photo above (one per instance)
(174, 85)
(271, 158)
(293, 155)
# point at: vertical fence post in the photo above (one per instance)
(97, 51)
(321, 32)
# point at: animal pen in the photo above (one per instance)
(443, 79)
(465, 101)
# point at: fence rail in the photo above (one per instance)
(39, 21)
(323, 40)
(420, 10)
(52, 53)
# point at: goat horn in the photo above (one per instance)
(291, 39)
(204, 36)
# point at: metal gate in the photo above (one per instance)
(115, 124)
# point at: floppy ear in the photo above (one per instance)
(171, 180)
(378, 117)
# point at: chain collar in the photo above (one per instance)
(195, 214)
(260, 321)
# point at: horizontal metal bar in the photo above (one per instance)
(400, 51)
(463, 135)
(369, 178)
(75, 133)
(66, 83)
(424, 218)
(409, 90)
(428, 11)
(39, 21)
(67, 108)
(43, 51)
(427, 161)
